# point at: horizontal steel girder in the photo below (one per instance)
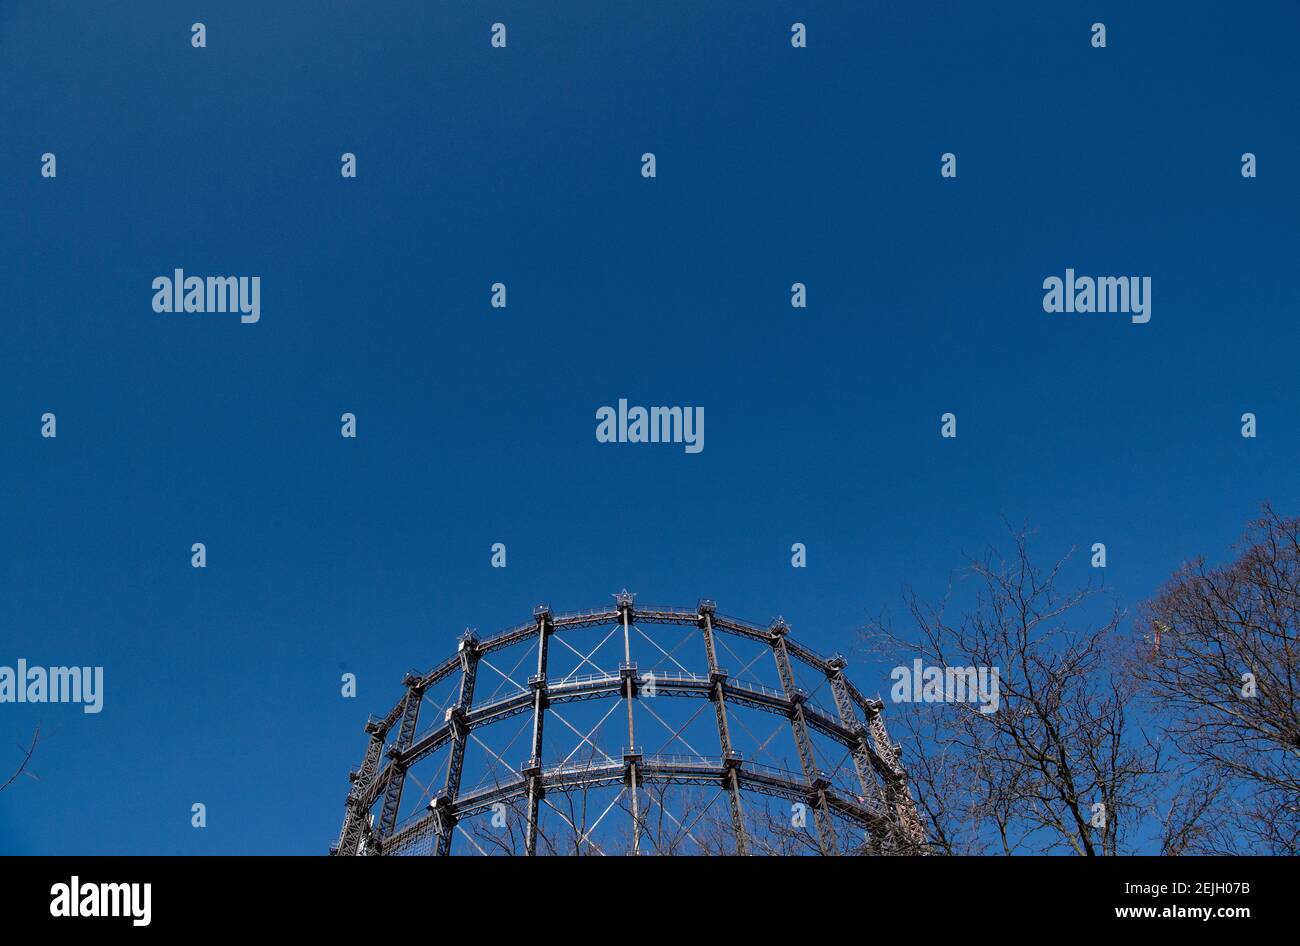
(739, 692)
(675, 770)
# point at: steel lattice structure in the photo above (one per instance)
(863, 807)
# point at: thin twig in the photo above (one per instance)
(36, 737)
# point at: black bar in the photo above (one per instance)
(920, 898)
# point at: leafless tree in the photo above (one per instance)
(1220, 661)
(679, 819)
(1058, 765)
(502, 836)
(773, 833)
(1190, 816)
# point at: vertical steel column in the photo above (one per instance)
(397, 767)
(898, 794)
(849, 718)
(730, 761)
(533, 768)
(354, 819)
(803, 742)
(444, 804)
(627, 670)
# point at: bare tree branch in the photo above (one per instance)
(1058, 765)
(27, 757)
(1220, 665)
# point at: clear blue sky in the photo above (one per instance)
(476, 425)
